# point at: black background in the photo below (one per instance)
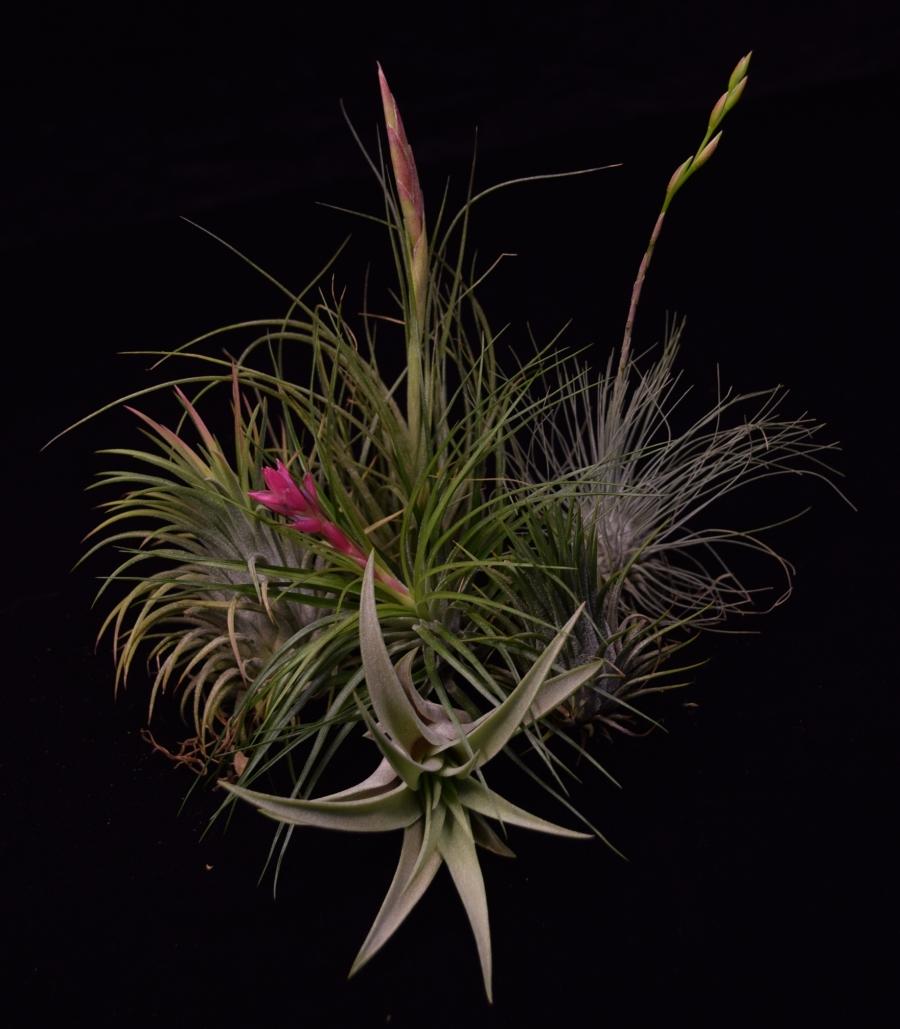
(760, 885)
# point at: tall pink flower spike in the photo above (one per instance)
(411, 203)
(301, 505)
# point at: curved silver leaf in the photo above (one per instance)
(557, 690)
(457, 848)
(485, 836)
(383, 778)
(393, 707)
(486, 802)
(407, 768)
(428, 711)
(392, 809)
(411, 879)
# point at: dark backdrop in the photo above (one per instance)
(760, 873)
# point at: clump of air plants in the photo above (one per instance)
(409, 567)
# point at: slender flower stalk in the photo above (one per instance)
(737, 82)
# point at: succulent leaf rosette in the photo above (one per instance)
(465, 563)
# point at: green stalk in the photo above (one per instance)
(736, 85)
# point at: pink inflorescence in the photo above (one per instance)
(300, 503)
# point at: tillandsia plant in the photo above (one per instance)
(444, 568)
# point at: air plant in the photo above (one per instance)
(493, 566)
(426, 782)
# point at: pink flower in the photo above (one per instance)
(310, 525)
(284, 496)
(301, 505)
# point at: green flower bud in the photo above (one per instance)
(718, 112)
(678, 176)
(735, 94)
(706, 152)
(740, 70)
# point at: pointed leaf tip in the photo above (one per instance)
(383, 812)
(557, 690)
(457, 848)
(492, 732)
(484, 801)
(411, 879)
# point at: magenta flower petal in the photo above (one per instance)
(263, 497)
(276, 478)
(300, 503)
(310, 525)
(284, 496)
(310, 491)
(336, 538)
